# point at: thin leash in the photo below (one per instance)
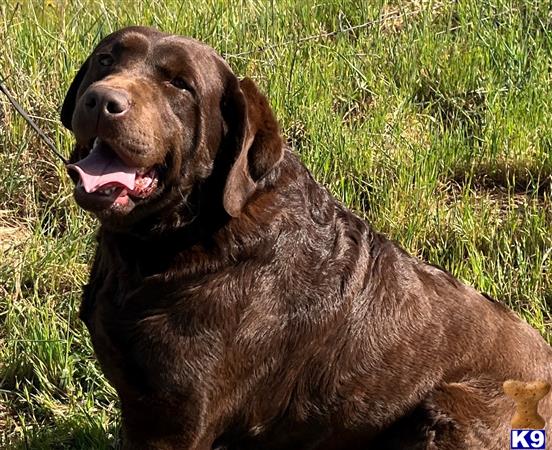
(32, 123)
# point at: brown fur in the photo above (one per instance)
(242, 307)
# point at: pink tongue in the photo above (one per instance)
(102, 167)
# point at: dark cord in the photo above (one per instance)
(31, 122)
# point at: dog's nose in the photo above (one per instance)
(106, 102)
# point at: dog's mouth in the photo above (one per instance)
(106, 177)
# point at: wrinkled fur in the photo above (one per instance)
(254, 311)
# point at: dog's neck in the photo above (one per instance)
(218, 240)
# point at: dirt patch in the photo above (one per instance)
(12, 233)
(498, 200)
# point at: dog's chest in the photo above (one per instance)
(153, 335)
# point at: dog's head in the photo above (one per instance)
(157, 116)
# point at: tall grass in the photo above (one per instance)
(432, 122)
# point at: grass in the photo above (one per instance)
(433, 123)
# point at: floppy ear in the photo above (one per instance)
(71, 97)
(258, 141)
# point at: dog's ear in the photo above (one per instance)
(71, 97)
(257, 139)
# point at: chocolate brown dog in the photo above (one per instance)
(233, 303)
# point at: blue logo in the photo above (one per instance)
(532, 439)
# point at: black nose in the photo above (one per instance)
(106, 101)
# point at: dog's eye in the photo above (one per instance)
(180, 83)
(105, 60)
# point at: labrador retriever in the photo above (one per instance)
(235, 304)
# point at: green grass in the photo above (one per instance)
(434, 123)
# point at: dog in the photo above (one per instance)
(233, 303)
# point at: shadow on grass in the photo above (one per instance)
(518, 179)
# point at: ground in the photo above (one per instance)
(431, 120)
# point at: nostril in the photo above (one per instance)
(90, 102)
(115, 107)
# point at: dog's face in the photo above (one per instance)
(153, 115)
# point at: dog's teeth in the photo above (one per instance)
(107, 191)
